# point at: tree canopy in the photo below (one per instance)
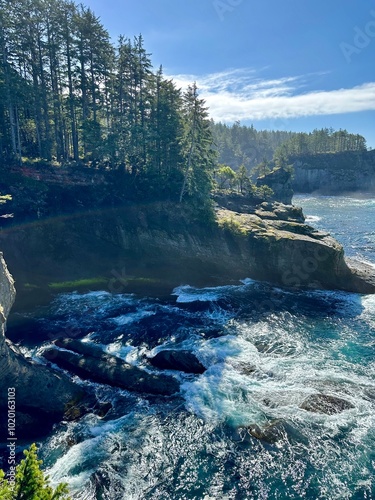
(30, 482)
(68, 94)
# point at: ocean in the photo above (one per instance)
(266, 350)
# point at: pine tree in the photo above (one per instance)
(30, 482)
(199, 156)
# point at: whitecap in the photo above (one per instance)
(126, 319)
(311, 219)
(186, 294)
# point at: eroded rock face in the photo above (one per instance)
(280, 181)
(335, 173)
(322, 403)
(292, 254)
(161, 243)
(41, 396)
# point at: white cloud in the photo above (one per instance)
(239, 95)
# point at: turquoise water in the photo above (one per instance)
(266, 350)
(350, 220)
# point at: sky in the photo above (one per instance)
(282, 65)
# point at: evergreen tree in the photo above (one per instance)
(199, 156)
(30, 482)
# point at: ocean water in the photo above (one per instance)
(266, 350)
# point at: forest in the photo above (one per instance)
(68, 95)
(241, 145)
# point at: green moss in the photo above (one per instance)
(82, 283)
(29, 286)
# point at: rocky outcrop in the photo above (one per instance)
(292, 254)
(280, 181)
(162, 245)
(91, 362)
(182, 360)
(41, 395)
(335, 173)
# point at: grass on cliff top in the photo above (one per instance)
(233, 226)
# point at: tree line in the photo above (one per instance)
(323, 141)
(70, 95)
(67, 94)
(239, 145)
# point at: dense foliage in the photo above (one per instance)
(67, 94)
(241, 145)
(323, 141)
(30, 482)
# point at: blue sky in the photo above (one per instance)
(287, 65)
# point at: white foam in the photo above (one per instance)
(127, 319)
(186, 294)
(311, 219)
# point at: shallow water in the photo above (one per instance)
(266, 350)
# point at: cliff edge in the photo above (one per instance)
(164, 244)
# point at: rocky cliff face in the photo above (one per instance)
(162, 244)
(42, 396)
(335, 173)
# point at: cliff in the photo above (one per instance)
(42, 396)
(335, 173)
(161, 245)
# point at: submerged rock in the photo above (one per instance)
(90, 362)
(322, 403)
(184, 361)
(271, 433)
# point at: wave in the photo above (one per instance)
(311, 219)
(127, 319)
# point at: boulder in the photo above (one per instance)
(322, 403)
(90, 362)
(184, 361)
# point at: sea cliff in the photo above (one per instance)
(162, 245)
(335, 173)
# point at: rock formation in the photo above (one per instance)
(41, 395)
(335, 173)
(90, 362)
(182, 360)
(162, 244)
(280, 181)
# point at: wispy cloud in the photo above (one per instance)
(240, 95)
